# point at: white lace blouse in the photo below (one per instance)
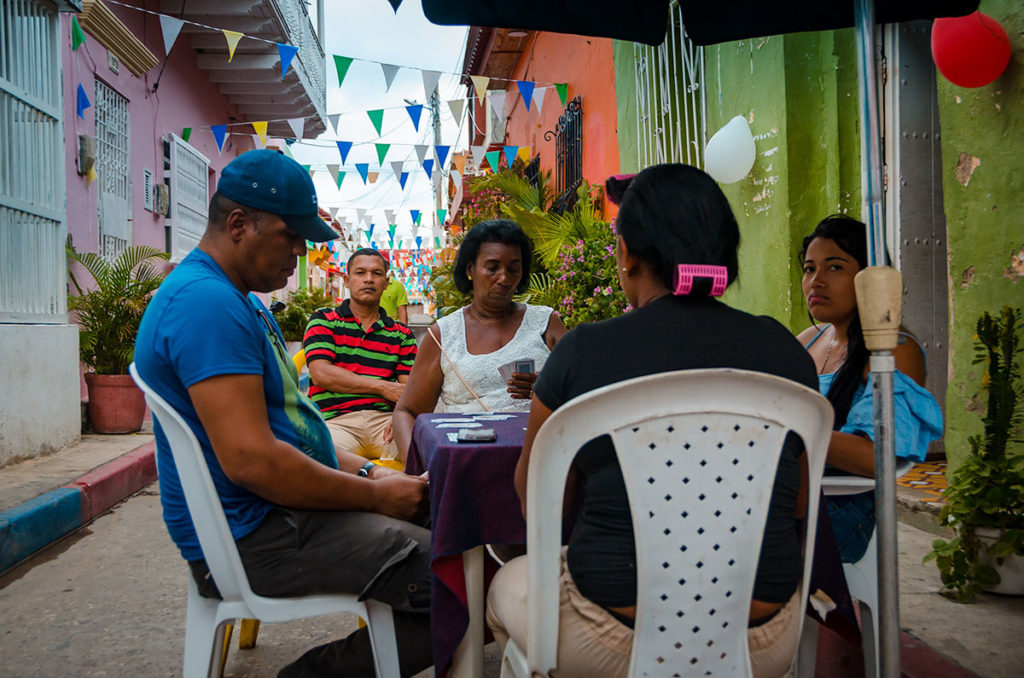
(481, 371)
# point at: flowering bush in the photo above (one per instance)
(481, 203)
(586, 277)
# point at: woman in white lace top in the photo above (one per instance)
(458, 362)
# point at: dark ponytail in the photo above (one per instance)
(850, 236)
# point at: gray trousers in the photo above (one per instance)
(296, 553)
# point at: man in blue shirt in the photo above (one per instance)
(307, 519)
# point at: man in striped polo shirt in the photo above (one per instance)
(359, 359)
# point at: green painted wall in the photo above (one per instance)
(984, 214)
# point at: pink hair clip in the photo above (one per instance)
(685, 274)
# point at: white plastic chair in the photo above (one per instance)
(206, 617)
(861, 580)
(698, 451)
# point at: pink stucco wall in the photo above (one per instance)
(185, 98)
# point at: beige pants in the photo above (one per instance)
(592, 643)
(362, 433)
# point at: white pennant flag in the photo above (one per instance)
(390, 71)
(421, 151)
(430, 79)
(334, 122)
(456, 178)
(457, 106)
(333, 169)
(396, 167)
(478, 154)
(390, 216)
(538, 98)
(453, 208)
(334, 211)
(257, 141)
(170, 28)
(360, 214)
(497, 99)
(298, 126)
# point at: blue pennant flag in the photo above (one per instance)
(363, 168)
(526, 90)
(83, 102)
(369, 232)
(219, 134)
(373, 245)
(343, 148)
(287, 53)
(510, 154)
(419, 241)
(442, 154)
(428, 166)
(402, 178)
(415, 216)
(415, 111)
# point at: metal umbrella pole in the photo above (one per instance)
(879, 295)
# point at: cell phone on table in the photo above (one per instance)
(526, 366)
(476, 435)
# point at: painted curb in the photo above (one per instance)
(39, 522)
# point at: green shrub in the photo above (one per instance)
(300, 305)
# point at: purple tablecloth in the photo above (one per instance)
(472, 502)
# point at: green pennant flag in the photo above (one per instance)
(441, 214)
(377, 118)
(306, 167)
(382, 150)
(342, 64)
(341, 178)
(563, 91)
(77, 35)
(437, 242)
(186, 134)
(391, 229)
(492, 159)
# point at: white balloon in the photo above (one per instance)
(729, 155)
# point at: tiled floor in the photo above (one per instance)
(928, 479)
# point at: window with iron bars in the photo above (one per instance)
(568, 136)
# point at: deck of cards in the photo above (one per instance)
(525, 366)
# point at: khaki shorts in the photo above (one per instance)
(362, 433)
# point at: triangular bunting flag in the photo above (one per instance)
(169, 26)
(391, 230)
(333, 169)
(361, 216)
(497, 99)
(395, 4)
(78, 36)
(232, 37)
(340, 178)
(258, 141)
(510, 154)
(421, 152)
(563, 91)
(382, 150)
(372, 177)
(287, 53)
(415, 214)
(219, 134)
(261, 131)
(437, 243)
(415, 111)
(186, 134)
(390, 71)
(334, 212)
(419, 241)
(442, 155)
(459, 160)
(456, 176)
(479, 153)
(334, 119)
(441, 214)
(402, 178)
(428, 166)
(396, 167)
(526, 91)
(457, 106)
(538, 98)
(341, 64)
(480, 85)
(307, 168)
(369, 231)
(377, 118)
(82, 103)
(390, 216)
(343, 148)
(430, 79)
(524, 153)
(492, 159)
(298, 126)
(363, 168)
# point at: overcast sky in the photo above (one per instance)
(370, 31)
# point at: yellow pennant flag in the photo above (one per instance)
(92, 175)
(232, 37)
(524, 153)
(480, 85)
(261, 130)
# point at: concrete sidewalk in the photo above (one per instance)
(44, 499)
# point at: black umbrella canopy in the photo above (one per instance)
(707, 21)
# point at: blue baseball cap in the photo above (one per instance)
(272, 182)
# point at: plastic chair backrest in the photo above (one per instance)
(698, 451)
(204, 506)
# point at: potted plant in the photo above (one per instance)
(293, 316)
(985, 498)
(108, 315)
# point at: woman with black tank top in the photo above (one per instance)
(669, 215)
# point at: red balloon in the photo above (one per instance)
(971, 51)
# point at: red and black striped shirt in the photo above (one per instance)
(386, 351)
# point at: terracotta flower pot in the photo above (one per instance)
(116, 404)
